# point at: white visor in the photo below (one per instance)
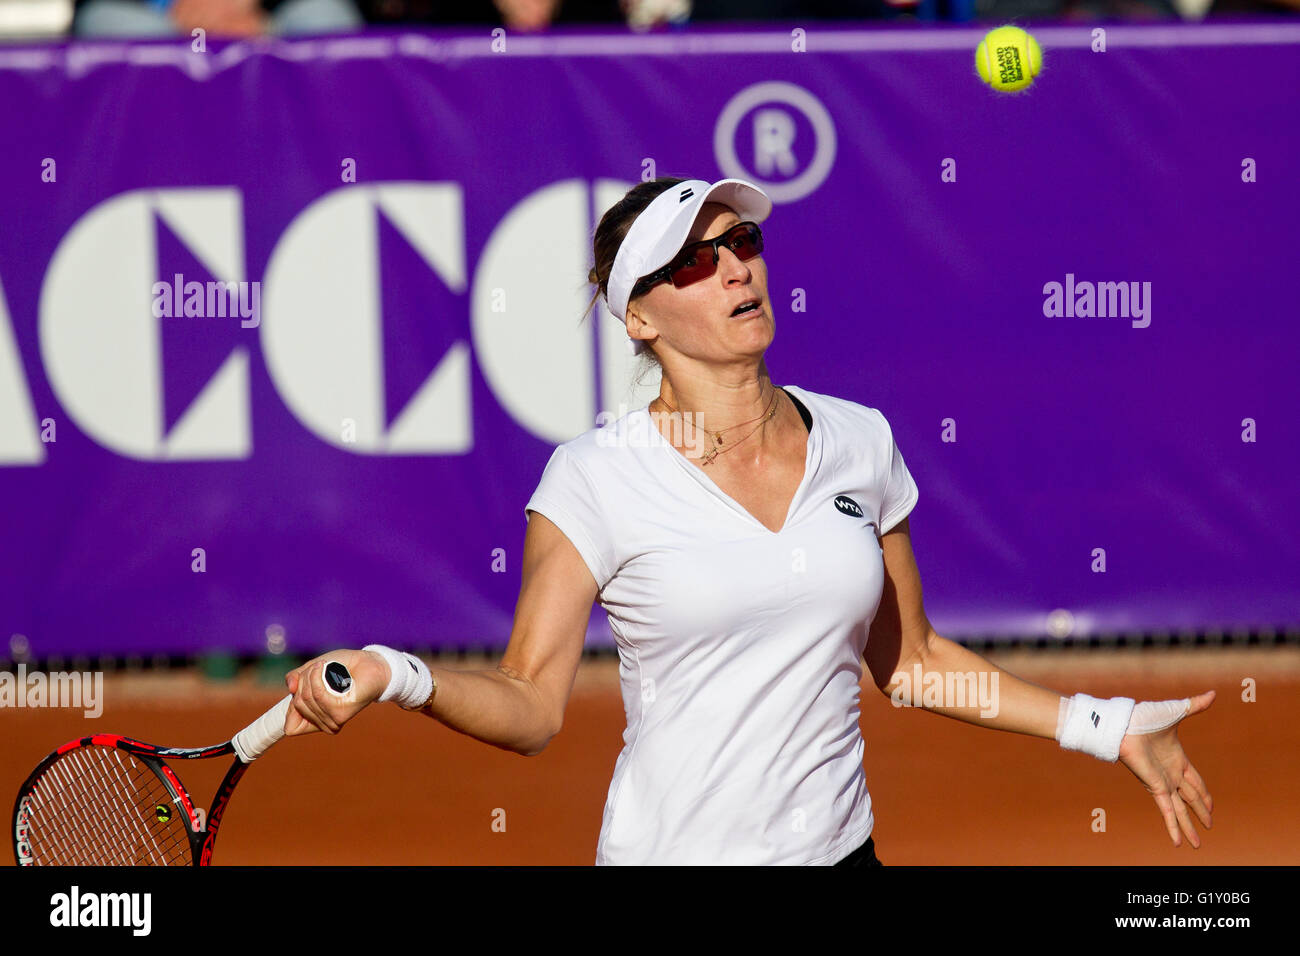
(662, 228)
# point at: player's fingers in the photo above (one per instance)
(334, 705)
(1166, 806)
(1185, 820)
(305, 702)
(295, 724)
(1194, 796)
(1192, 799)
(320, 702)
(1198, 784)
(317, 706)
(301, 708)
(338, 706)
(294, 676)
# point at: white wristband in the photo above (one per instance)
(409, 681)
(1093, 725)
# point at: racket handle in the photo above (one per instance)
(253, 741)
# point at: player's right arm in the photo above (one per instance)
(519, 705)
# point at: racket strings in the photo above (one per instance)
(101, 806)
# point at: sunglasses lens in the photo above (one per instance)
(746, 241)
(698, 262)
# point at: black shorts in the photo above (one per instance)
(863, 856)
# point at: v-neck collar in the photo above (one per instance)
(708, 484)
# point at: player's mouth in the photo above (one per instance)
(747, 309)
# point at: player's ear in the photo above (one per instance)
(638, 327)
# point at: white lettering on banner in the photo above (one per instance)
(101, 343)
(618, 363)
(773, 137)
(320, 326)
(536, 355)
(321, 332)
(20, 442)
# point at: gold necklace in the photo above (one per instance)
(716, 436)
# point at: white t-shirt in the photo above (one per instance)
(740, 649)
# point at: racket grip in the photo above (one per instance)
(254, 740)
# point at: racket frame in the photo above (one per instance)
(201, 841)
(246, 746)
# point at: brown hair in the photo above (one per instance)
(610, 234)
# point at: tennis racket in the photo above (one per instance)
(108, 800)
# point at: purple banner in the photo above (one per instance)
(289, 329)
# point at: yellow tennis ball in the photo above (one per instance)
(1008, 59)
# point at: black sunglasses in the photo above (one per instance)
(699, 260)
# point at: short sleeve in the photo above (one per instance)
(567, 496)
(900, 493)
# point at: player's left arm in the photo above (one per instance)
(905, 655)
(901, 638)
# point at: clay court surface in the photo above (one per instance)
(397, 788)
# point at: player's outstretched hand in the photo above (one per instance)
(315, 707)
(1157, 759)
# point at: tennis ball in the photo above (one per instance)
(1008, 59)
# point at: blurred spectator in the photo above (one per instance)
(537, 14)
(788, 10)
(1132, 11)
(34, 19)
(1232, 8)
(1075, 10)
(513, 14)
(219, 18)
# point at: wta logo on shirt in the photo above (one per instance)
(846, 505)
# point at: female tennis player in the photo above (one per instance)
(750, 544)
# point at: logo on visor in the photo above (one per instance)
(685, 194)
(848, 506)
